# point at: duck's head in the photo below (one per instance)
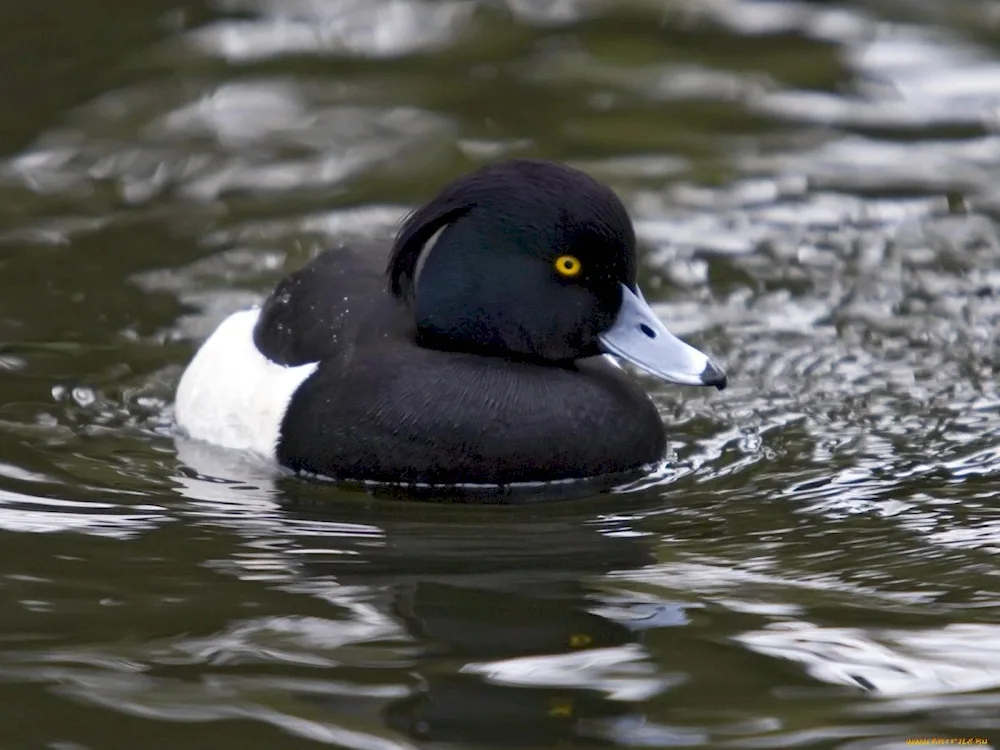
(534, 260)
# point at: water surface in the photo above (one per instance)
(815, 187)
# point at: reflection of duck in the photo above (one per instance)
(469, 711)
(477, 365)
(501, 668)
(510, 653)
(461, 621)
(511, 646)
(470, 625)
(462, 626)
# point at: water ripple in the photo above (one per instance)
(377, 29)
(814, 188)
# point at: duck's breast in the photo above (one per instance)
(399, 413)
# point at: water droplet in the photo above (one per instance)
(83, 396)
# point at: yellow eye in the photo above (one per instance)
(568, 265)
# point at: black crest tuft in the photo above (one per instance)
(416, 231)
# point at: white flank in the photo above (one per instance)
(231, 394)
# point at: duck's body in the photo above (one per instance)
(458, 370)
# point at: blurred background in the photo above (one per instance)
(816, 188)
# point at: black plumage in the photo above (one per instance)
(471, 359)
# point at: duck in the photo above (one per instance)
(485, 352)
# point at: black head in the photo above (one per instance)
(528, 260)
(534, 260)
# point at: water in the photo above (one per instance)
(815, 185)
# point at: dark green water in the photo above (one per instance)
(816, 186)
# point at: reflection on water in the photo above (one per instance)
(363, 28)
(814, 186)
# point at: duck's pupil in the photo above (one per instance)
(647, 330)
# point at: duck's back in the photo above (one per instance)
(325, 308)
(350, 394)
